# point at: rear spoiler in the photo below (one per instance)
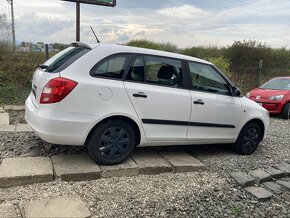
(80, 44)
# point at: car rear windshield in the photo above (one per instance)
(63, 59)
(277, 84)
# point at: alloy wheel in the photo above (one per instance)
(250, 140)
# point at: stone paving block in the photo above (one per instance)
(150, 162)
(127, 168)
(260, 175)
(283, 167)
(23, 128)
(182, 162)
(260, 193)
(284, 183)
(4, 119)
(7, 128)
(243, 179)
(14, 107)
(64, 206)
(274, 187)
(275, 173)
(8, 210)
(77, 167)
(24, 171)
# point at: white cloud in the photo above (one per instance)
(185, 24)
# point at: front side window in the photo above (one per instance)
(205, 78)
(113, 67)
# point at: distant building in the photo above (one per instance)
(34, 47)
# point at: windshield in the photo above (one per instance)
(63, 59)
(277, 84)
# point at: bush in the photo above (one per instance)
(153, 45)
(223, 64)
(248, 53)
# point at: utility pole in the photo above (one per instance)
(13, 24)
(78, 21)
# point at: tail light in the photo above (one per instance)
(56, 90)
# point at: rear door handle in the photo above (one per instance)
(199, 101)
(140, 95)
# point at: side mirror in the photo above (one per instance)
(236, 91)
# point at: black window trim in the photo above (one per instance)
(219, 72)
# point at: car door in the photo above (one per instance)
(215, 113)
(155, 88)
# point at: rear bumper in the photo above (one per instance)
(59, 127)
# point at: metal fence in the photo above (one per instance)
(247, 78)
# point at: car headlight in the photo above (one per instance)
(248, 95)
(276, 97)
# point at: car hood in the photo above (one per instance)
(267, 93)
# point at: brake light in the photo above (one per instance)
(56, 90)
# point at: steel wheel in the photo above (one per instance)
(114, 142)
(250, 140)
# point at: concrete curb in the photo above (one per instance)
(29, 170)
(15, 128)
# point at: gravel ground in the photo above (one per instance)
(210, 193)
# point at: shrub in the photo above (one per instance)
(223, 64)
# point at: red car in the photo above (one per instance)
(274, 95)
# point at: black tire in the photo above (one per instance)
(286, 111)
(248, 140)
(112, 142)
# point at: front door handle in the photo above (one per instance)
(199, 101)
(140, 95)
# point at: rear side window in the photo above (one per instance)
(112, 67)
(156, 70)
(64, 59)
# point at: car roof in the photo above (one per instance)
(131, 49)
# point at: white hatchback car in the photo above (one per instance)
(113, 98)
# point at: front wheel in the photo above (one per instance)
(248, 140)
(112, 142)
(286, 111)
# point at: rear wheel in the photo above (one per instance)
(248, 140)
(112, 142)
(286, 111)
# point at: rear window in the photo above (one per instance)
(63, 59)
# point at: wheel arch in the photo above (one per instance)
(260, 123)
(119, 117)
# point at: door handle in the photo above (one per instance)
(140, 95)
(199, 101)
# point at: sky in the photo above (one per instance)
(182, 22)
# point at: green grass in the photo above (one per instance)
(13, 94)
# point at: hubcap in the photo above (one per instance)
(114, 142)
(250, 140)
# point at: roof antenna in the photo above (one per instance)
(98, 41)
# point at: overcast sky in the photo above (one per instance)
(182, 22)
